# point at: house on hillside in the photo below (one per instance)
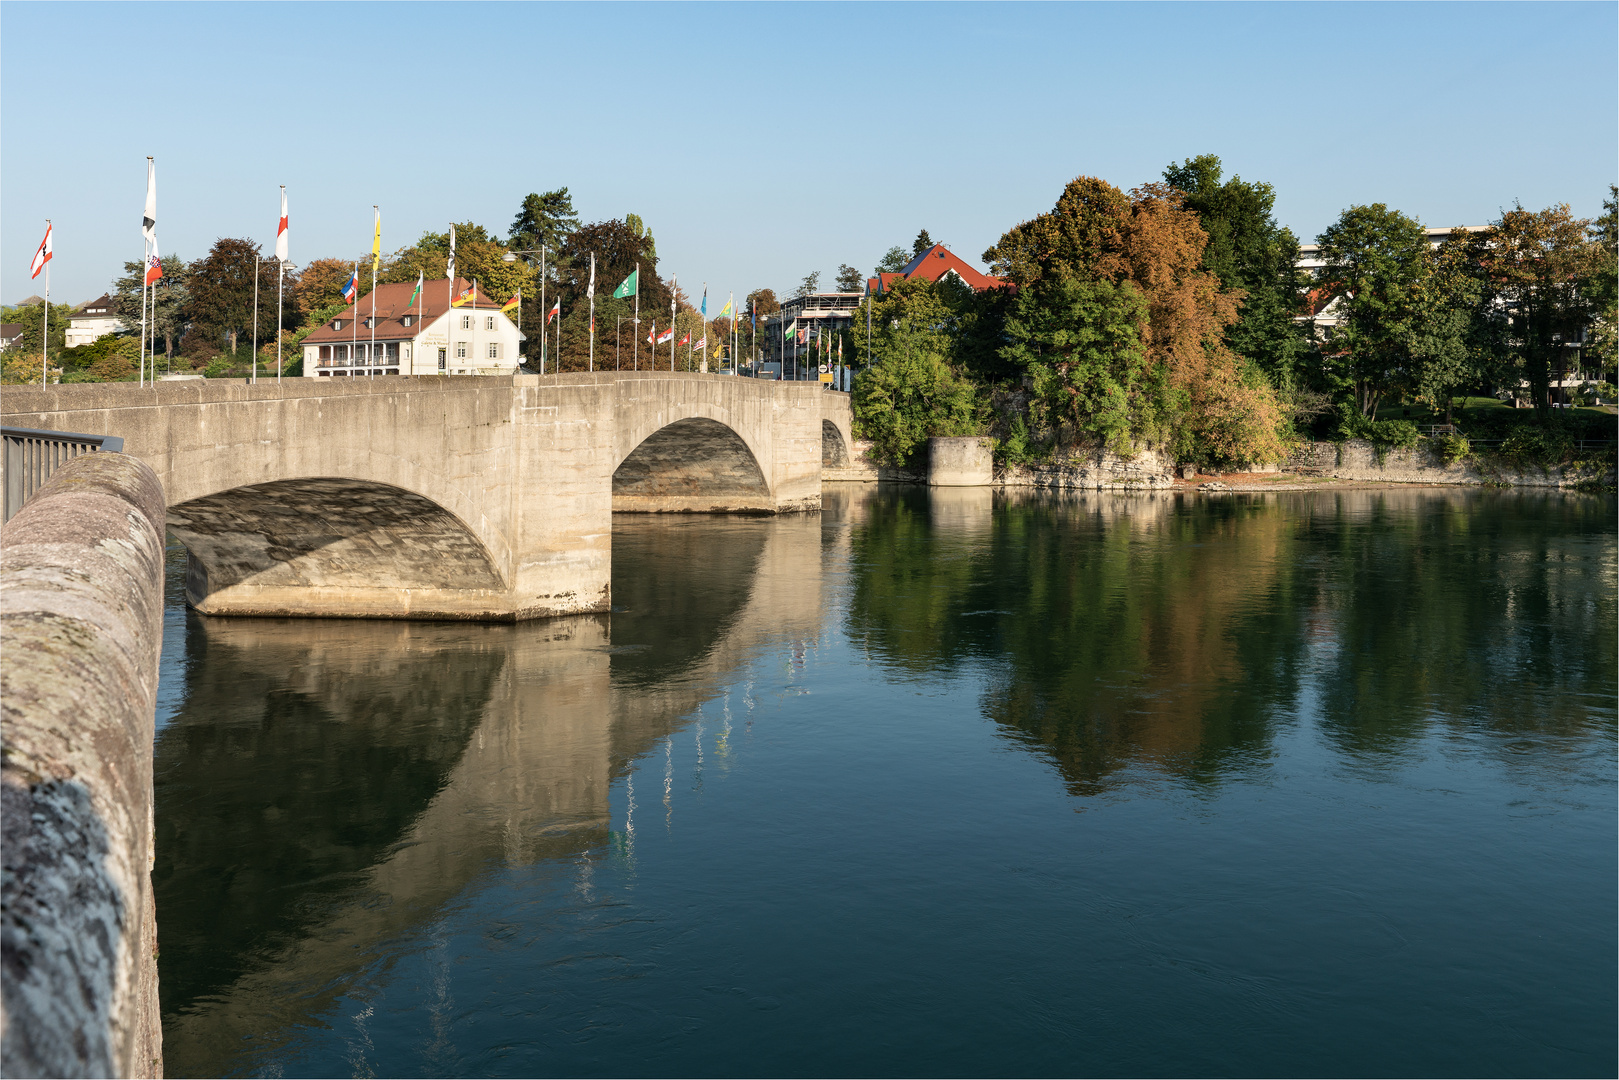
(93, 319)
(429, 337)
(9, 333)
(935, 263)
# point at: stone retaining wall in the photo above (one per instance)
(81, 626)
(1358, 459)
(1148, 470)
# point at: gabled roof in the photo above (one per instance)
(933, 264)
(103, 306)
(393, 305)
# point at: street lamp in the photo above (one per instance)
(511, 257)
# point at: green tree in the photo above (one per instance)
(1602, 342)
(922, 242)
(849, 279)
(1080, 342)
(893, 261)
(618, 247)
(39, 324)
(810, 285)
(168, 303)
(1376, 260)
(1447, 350)
(545, 220)
(221, 287)
(1248, 251)
(914, 388)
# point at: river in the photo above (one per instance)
(943, 784)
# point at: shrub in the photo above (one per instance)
(1536, 445)
(1453, 448)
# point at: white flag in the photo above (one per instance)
(281, 230)
(149, 218)
(592, 273)
(450, 266)
(43, 255)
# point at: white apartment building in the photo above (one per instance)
(91, 320)
(428, 337)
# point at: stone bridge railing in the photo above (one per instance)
(81, 624)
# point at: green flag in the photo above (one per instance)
(628, 288)
(417, 291)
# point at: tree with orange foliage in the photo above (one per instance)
(1197, 395)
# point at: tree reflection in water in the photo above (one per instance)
(1177, 632)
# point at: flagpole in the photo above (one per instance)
(543, 309)
(280, 277)
(592, 327)
(145, 260)
(474, 343)
(673, 293)
(257, 259)
(45, 326)
(354, 323)
(635, 349)
(449, 301)
(375, 245)
(705, 330)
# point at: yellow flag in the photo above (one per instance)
(376, 244)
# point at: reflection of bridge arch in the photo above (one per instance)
(375, 548)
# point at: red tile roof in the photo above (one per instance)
(392, 307)
(932, 265)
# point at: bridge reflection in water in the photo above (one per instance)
(331, 794)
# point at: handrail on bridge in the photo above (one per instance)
(32, 455)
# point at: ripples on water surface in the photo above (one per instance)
(961, 785)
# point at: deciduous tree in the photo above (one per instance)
(849, 279)
(168, 303)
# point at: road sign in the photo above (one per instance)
(826, 378)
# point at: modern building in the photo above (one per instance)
(934, 264)
(93, 319)
(428, 337)
(804, 319)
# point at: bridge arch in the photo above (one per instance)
(834, 447)
(695, 465)
(334, 546)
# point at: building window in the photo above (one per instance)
(489, 322)
(337, 324)
(441, 359)
(392, 349)
(408, 319)
(466, 322)
(325, 352)
(340, 352)
(460, 350)
(494, 350)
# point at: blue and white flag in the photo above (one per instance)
(351, 289)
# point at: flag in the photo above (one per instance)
(43, 255)
(516, 299)
(803, 335)
(787, 327)
(556, 309)
(724, 311)
(450, 264)
(154, 264)
(468, 296)
(685, 340)
(149, 218)
(650, 332)
(629, 286)
(705, 300)
(352, 289)
(417, 291)
(376, 244)
(281, 230)
(667, 335)
(700, 343)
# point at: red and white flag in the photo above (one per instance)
(666, 336)
(154, 264)
(556, 309)
(281, 230)
(43, 255)
(700, 343)
(149, 217)
(650, 332)
(684, 341)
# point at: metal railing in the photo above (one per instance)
(31, 456)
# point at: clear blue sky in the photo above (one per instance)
(761, 142)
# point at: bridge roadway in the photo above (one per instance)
(470, 498)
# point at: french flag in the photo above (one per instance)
(353, 286)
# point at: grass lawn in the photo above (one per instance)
(1421, 414)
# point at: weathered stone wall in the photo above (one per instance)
(961, 462)
(1097, 471)
(81, 625)
(1358, 459)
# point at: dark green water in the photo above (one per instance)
(1315, 784)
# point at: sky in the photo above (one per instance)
(764, 141)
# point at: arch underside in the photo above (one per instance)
(334, 547)
(834, 453)
(695, 465)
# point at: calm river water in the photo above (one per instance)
(960, 784)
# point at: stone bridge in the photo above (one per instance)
(452, 498)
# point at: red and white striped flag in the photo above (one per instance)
(556, 309)
(43, 255)
(281, 230)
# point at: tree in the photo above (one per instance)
(1542, 266)
(618, 246)
(1248, 250)
(893, 261)
(763, 301)
(545, 220)
(168, 303)
(222, 292)
(810, 285)
(1449, 346)
(1375, 259)
(850, 280)
(922, 242)
(1602, 342)
(39, 324)
(320, 283)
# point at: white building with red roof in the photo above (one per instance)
(430, 336)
